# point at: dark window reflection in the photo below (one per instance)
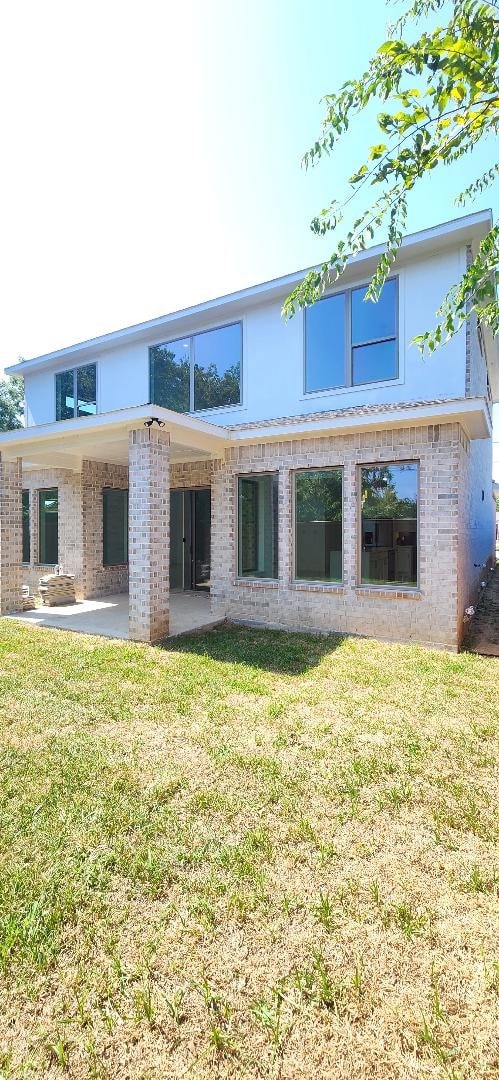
(170, 375)
(64, 394)
(211, 361)
(318, 525)
(26, 527)
(86, 385)
(48, 525)
(115, 526)
(76, 392)
(389, 525)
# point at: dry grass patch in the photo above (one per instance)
(248, 854)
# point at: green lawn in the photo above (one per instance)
(248, 854)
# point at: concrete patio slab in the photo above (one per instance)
(108, 616)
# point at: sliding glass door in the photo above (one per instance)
(190, 539)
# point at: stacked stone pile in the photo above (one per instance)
(57, 589)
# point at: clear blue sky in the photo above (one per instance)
(151, 154)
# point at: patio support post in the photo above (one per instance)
(11, 535)
(149, 534)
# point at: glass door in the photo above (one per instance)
(190, 539)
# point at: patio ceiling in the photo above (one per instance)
(104, 437)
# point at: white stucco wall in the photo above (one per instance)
(483, 507)
(273, 383)
(273, 359)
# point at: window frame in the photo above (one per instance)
(192, 359)
(123, 562)
(349, 384)
(393, 586)
(40, 561)
(339, 582)
(74, 370)
(248, 476)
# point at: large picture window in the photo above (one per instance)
(48, 526)
(26, 527)
(115, 526)
(318, 525)
(76, 392)
(198, 372)
(350, 340)
(257, 525)
(389, 554)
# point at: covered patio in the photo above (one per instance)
(143, 454)
(108, 617)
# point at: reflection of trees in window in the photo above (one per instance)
(76, 392)
(64, 388)
(389, 524)
(170, 379)
(86, 390)
(318, 525)
(319, 496)
(212, 390)
(380, 498)
(197, 372)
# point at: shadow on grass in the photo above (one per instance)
(270, 650)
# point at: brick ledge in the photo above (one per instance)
(256, 583)
(388, 594)
(333, 587)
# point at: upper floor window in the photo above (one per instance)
(201, 371)
(350, 340)
(76, 392)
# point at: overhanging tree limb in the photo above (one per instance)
(454, 104)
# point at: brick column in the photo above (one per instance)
(149, 534)
(286, 542)
(11, 536)
(351, 524)
(223, 537)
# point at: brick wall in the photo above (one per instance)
(191, 474)
(99, 580)
(70, 524)
(428, 614)
(10, 536)
(432, 613)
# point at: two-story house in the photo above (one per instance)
(316, 473)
